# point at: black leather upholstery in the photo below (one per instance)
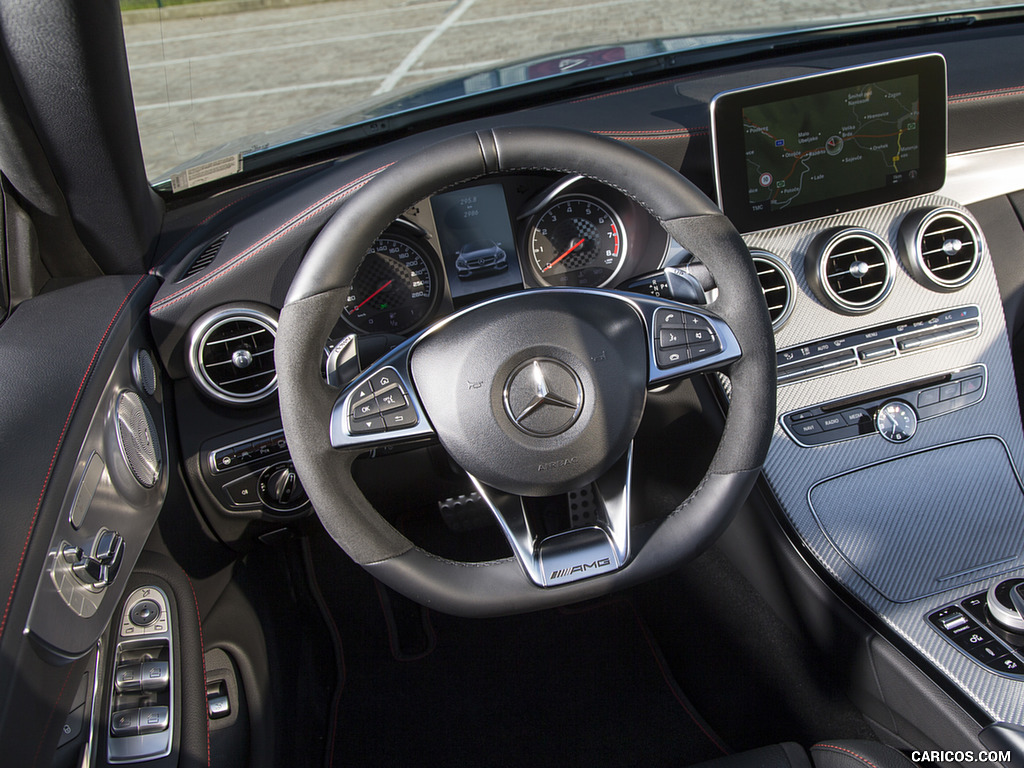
(825, 754)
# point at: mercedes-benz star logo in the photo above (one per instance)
(543, 397)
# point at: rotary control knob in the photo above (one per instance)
(1005, 601)
(280, 488)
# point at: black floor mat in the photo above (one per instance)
(579, 686)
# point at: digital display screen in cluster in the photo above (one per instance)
(477, 244)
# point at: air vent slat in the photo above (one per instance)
(231, 355)
(941, 248)
(860, 287)
(776, 285)
(952, 265)
(206, 258)
(854, 270)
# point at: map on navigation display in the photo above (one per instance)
(832, 144)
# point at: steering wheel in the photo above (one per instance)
(533, 394)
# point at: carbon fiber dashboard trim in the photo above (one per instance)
(919, 544)
(792, 470)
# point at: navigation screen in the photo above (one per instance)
(828, 143)
(831, 144)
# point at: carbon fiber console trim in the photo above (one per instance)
(792, 470)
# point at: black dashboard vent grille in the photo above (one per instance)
(232, 355)
(854, 272)
(945, 251)
(205, 259)
(776, 285)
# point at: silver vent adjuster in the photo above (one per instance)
(776, 285)
(853, 272)
(231, 353)
(941, 248)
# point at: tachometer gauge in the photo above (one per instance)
(577, 241)
(395, 288)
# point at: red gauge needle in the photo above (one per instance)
(572, 248)
(359, 306)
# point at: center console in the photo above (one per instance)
(898, 445)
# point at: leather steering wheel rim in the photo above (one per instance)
(317, 298)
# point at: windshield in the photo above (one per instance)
(220, 79)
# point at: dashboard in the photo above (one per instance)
(895, 461)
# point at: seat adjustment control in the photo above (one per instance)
(99, 567)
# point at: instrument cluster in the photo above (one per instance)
(502, 235)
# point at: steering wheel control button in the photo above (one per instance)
(671, 337)
(390, 400)
(370, 426)
(400, 419)
(543, 397)
(683, 337)
(144, 613)
(365, 409)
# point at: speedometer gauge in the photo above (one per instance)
(395, 287)
(577, 241)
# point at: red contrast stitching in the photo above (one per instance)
(267, 241)
(669, 682)
(847, 751)
(989, 94)
(675, 131)
(56, 450)
(202, 655)
(35, 760)
(205, 221)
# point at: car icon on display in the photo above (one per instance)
(479, 258)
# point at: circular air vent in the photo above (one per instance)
(854, 270)
(941, 248)
(776, 285)
(231, 354)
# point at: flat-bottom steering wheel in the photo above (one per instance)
(535, 393)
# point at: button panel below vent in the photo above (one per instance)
(837, 353)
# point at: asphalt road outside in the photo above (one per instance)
(202, 81)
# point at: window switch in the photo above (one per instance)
(128, 678)
(156, 676)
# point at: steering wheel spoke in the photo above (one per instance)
(580, 552)
(380, 407)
